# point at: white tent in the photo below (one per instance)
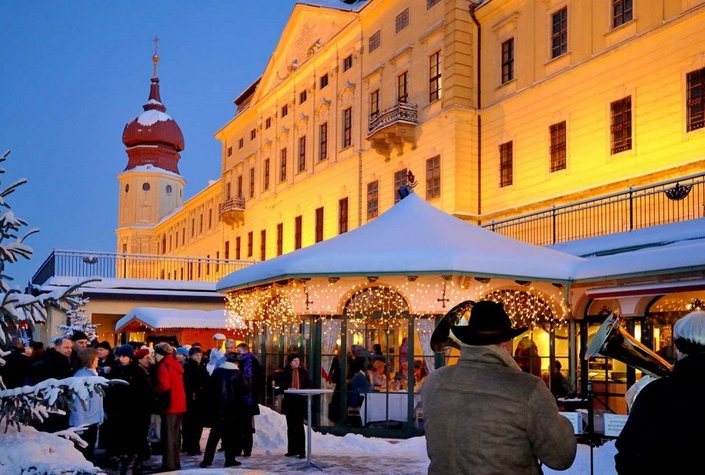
(413, 238)
(171, 318)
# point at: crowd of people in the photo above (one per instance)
(171, 394)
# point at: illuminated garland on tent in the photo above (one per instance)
(529, 307)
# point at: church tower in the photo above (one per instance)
(150, 185)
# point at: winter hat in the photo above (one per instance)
(105, 345)
(219, 336)
(182, 351)
(163, 349)
(689, 333)
(291, 357)
(141, 353)
(78, 335)
(195, 350)
(125, 350)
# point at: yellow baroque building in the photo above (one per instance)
(496, 109)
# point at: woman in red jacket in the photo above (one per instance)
(172, 397)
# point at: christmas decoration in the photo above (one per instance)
(78, 320)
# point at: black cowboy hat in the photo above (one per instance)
(488, 324)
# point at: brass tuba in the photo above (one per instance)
(613, 341)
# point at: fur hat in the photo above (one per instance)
(125, 350)
(78, 335)
(163, 349)
(689, 333)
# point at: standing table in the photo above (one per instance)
(309, 393)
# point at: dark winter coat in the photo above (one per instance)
(195, 385)
(15, 373)
(253, 377)
(293, 403)
(226, 395)
(664, 432)
(170, 378)
(54, 365)
(485, 416)
(126, 407)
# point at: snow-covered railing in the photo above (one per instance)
(110, 265)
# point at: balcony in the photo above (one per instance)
(110, 265)
(232, 210)
(392, 127)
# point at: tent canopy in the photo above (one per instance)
(412, 238)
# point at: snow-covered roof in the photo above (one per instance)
(150, 117)
(153, 317)
(174, 288)
(151, 168)
(337, 4)
(413, 238)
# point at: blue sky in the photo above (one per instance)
(74, 72)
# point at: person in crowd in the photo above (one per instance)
(90, 412)
(15, 373)
(420, 373)
(294, 376)
(229, 347)
(106, 359)
(253, 378)
(55, 365)
(377, 375)
(404, 351)
(172, 396)
(38, 351)
(333, 377)
(127, 409)
(377, 354)
(195, 385)
(359, 387)
(181, 355)
(216, 352)
(663, 433)
(226, 409)
(484, 414)
(401, 377)
(559, 384)
(527, 356)
(80, 341)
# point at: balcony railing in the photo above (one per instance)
(109, 265)
(232, 210)
(636, 208)
(401, 112)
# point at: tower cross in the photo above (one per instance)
(155, 58)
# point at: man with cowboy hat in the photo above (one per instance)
(483, 414)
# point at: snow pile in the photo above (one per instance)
(33, 452)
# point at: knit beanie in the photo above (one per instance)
(163, 349)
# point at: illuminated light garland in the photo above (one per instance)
(530, 307)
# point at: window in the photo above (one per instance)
(374, 104)
(434, 85)
(146, 186)
(282, 165)
(347, 127)
(508, 60)
(319, 224)
(403, 87)
(342, 216)
(239, 187)
(169, 189)
(238, 248)
(558, 146)
(433, 177)
(323, 81)
(280, 239)
(622, 12)
(200, 223)
(347, 62)
(183, 236)
(226, 250)
(210, 218)
(621, 125)
(400, 179)
(323, 141)
(267, 122)
(253, 134)
(372, 199)
(301, 163)
(297, 232)
(285, 110)
(265, 180)
(402, 20)
(506, 164)
(263, 245)
(375, 41)
(250, 243)
(696, 99)
(230, 151)
(252, 182)
(240, 143)
(302, 97)
(193, 227)
(559, 33)
(431, 3)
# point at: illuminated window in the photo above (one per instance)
(323, 141)
(559, 33)
(403, 87)
(400, 179)
(621, 125)
(622, 12)
(280, 239)
(319, 224)
(372, 199)
(343, 216)
(282, 165)
(558, 146)
(374, 104)
(301, 164)
(508, 60)
(265, 181)
(506, 164)
(696, 99)
(434, 86)
(402, 20)
(347, 127)
(374, 41)
(433, 177)
(297, 232)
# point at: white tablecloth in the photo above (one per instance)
(374, 407)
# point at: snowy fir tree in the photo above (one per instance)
(78, 320)
(21, 312)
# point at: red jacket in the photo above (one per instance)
(170, 377)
